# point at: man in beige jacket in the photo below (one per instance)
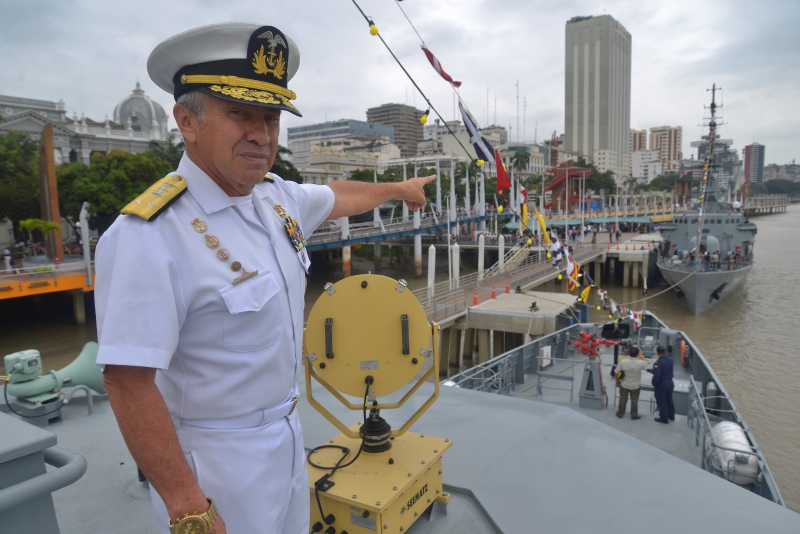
(631, 382)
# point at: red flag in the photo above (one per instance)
(438, 66)
(502, 177)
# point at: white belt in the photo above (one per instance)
(250, 420)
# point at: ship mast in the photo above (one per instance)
(704, 184)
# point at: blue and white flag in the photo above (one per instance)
(483, 148)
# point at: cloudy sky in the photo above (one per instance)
(91, 52)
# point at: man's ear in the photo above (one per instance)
(187, 122)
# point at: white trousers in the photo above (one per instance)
(256, 476)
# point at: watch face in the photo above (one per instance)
(192, 525)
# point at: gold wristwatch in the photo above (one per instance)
(195, 523)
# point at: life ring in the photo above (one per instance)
(684, 360)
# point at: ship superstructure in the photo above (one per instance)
(707, 250)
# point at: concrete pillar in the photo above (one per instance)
(598, 272)
(330, 256)
(483, 347)
(444, 351)
(497, 345)
(346, 265)
(481, 246)
(501, 251)
(456, 265)
(78, 307)
(431, 270)
(376, 255)
(626, 268)
(469, 348)
(635, 273)
(645, 267)
(453, 203)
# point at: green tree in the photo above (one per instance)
(19, 170)
(521, 159)
(659, 183)
(284, 168)
(782, 187)
(757, 189)
(109, 183)
(602, 180)
(169, 151)
(34, 225)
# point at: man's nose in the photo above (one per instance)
(257, 132)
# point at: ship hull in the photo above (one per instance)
(700, 291)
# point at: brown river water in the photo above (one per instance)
(747, 338)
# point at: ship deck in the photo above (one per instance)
(516, 465)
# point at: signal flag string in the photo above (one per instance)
(373, 30)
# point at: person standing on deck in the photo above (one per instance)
(631, 382)
(664, 386)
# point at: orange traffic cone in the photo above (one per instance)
(617, 247)
(475, 299)
(626, 247)
(494, 295)
(508, 289)
(609, 247)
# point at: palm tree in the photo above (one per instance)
(31, 225)
(169, 151)
(284, 168)
(521, 159)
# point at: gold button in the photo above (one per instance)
(236, 266)
(212, 241)
(222, 254)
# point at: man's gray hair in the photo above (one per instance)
(194, 101)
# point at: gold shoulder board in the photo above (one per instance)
(268, 178)
(157, 198)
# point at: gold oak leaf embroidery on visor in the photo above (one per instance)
(251, 95)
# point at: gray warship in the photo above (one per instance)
(709, 225)
(536, 447)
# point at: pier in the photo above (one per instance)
(766, 205)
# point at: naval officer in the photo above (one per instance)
(664, 386)
(200, 286)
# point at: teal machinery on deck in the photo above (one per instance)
(40, 396)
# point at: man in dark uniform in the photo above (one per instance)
(663, 385)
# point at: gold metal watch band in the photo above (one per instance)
(195, 523)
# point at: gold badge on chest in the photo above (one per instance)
(222, 254)
(292, 229)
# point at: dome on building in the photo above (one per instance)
(140, 114)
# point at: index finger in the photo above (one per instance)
(427, 179)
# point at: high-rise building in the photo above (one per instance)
(646, 165)
(405, 120)
(299, 137)
(598, 91)
(754, 163)
(638, 140)
(667, 140)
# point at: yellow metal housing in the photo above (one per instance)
(393, 495)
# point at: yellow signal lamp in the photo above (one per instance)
(560, 277)
(368, 337)
(499, 209)
(480, 163)
(424, 118)
(373, 30)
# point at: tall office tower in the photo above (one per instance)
(638, 140)
(667, 140)
(598, 91)
(754, 163)
(407, 128)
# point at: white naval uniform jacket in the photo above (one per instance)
(165, 300)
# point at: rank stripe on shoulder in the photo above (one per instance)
(157, 198)
(268, 178)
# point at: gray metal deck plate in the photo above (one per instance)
(532, 466)
(521, 466)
